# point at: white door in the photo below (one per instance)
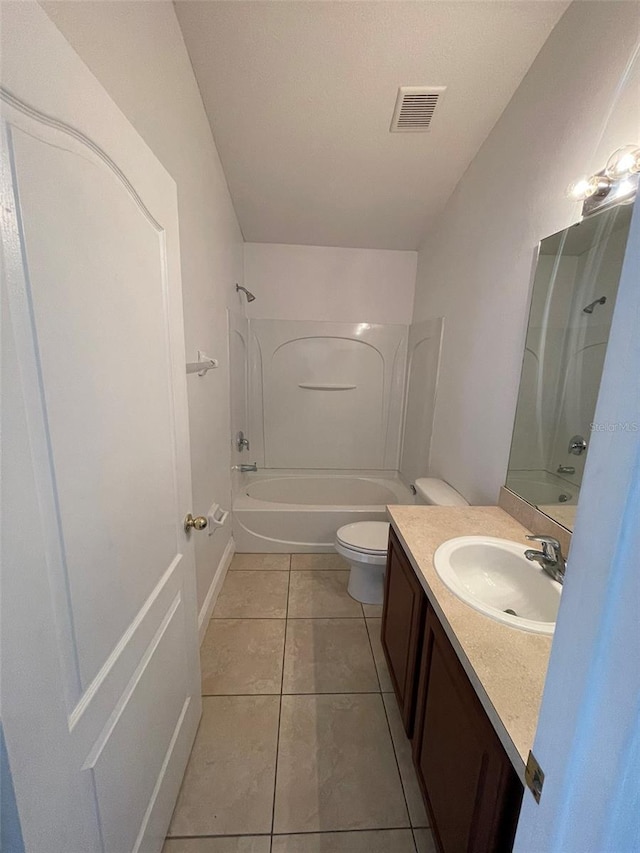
(100, 677)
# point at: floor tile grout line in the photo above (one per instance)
(284, 653)
(393, 745)
(249, 619)
(395, 755)
(294, 618)
(213, 835)
(302, 832)
(308, 571)
(345, 831)
(315, 693)
(413, 835)
(373, 656)
(288, 618)
(284, 618)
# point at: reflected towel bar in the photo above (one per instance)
(203, 364)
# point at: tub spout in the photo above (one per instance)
(245, 468)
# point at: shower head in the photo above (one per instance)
(592, 305)
(247, 293)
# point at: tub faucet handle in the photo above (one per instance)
(244, 469)
(241, 441)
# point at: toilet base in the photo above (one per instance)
(366, 583)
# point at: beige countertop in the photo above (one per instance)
(506, 666)
(564, 514)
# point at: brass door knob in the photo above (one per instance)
(197, 523)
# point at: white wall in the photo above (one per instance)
(136, 51)
(475, 266)
(327, 283)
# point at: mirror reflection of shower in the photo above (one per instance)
(247, 293)
(589, 308)
(574, 294)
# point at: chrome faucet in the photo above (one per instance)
(246, 468)
(550, 557)
(242, 443)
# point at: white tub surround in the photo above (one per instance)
(324, 404)
(326, 395)
(423, 360)
(300, 511)
(238, 330)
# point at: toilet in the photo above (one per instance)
(363, 544)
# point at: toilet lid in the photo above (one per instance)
(370, 537)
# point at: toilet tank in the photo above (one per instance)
(433, 492)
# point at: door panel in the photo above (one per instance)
(100, 675)
(150, 698)
(109, 433)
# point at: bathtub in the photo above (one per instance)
(299, 511)
(542, 487)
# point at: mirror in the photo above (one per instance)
(574, 291)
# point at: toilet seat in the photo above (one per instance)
(379, 558)
(365, 537)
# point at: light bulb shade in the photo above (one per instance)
(623, 162)
(583, 188)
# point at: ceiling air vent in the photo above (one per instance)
(415, 106)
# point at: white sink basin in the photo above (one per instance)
(493, 576)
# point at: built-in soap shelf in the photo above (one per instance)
(202, 365)
(326, 386)
(216, 518)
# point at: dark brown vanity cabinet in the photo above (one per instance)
(471, 791)
(403, 615)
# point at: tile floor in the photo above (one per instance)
(301, 747)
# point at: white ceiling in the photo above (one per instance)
(300, 96)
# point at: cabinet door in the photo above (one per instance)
(472, 791)
(402, 628)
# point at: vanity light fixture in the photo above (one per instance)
(623, 163)
(585, 187)
(616, 183)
